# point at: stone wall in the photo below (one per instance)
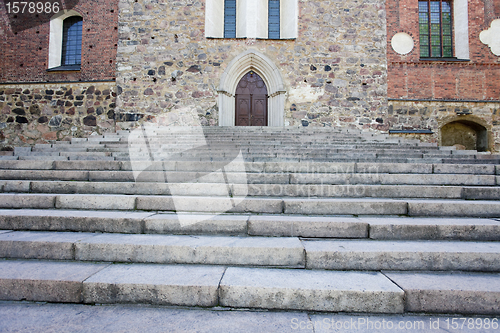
(412, 115)
(335, 72)
(38, 113)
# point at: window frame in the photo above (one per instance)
(271, 33)
(56, 41)
(229, 26)
(67, 48)
(431, 56)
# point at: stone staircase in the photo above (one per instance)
(289, 219)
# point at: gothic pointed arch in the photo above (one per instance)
(251, 60)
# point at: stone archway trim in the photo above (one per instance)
(472, 121)
(267, 70)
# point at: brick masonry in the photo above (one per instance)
(25, 54)
(33, 110)
(410, 78)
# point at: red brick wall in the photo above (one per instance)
(408, 77)
(24, 56)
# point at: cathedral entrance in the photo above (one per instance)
(251, 101)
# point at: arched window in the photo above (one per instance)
(72, 41)
(65, 42)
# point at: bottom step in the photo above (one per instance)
(286, 289)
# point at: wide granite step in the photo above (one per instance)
(262, 205)
(340, 254)
(383, 228)
(261, 288)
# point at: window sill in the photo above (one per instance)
(66, 68)
(445, 59)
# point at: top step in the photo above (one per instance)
(257, 145)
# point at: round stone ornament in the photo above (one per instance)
(402, 43)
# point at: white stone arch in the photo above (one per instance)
(267, 70)
(56, 36)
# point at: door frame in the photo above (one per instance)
(252, 60)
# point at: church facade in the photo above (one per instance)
(426, 69)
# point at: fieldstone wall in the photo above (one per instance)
(39, 113)
(409, 115)
(335, 72)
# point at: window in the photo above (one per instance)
(65, 41)
(274, 19)
(435, 26)
(72, 41)
(230, 19)
(263, 19)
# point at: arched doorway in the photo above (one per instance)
(469, 134)
(258, 63)
(251, 101)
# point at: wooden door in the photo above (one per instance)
(251, 101)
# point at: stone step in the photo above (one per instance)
(402, 255)
(361, 255)
(91, 283)
(343, 158)
(383, 228)
(259, 157)
(448, 292)
(161, 249)
(43, 158)
(442, 208)
(265, 205)
(75, 220)
(268, 146)
(432, 228)
(42, 317)
(390, 292)
(259, 167)
(204, 286)
(393, 179)
(252, 190)
(328, 150)
(310, 290)
(216, 176)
